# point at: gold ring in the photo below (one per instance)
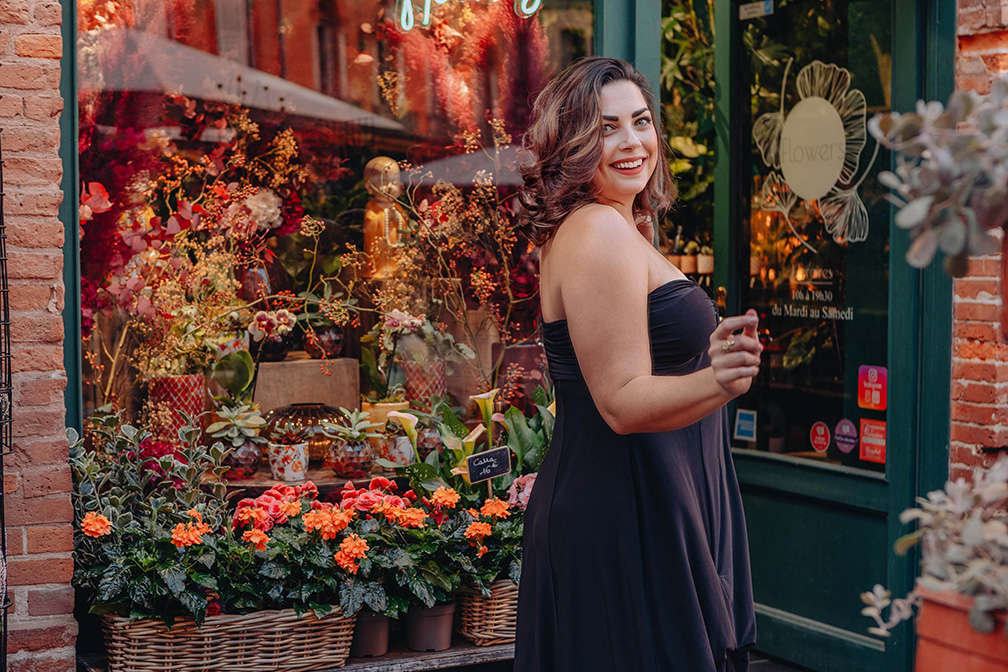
(728, 344)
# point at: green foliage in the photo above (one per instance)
(234, 372)
(503, 548)
(238, 425)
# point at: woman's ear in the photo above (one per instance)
(645, 225)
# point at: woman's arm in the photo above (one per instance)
(604, 293)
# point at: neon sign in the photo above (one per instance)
(523, 8)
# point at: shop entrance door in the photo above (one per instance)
(826, 442)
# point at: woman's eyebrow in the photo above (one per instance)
(639, 112)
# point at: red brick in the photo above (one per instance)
(40, 390)
(984, 394)
(979, 83)
(13, 11)
(11, 106)
(42, 203)
(51, 661)
(971, 20)
(19, 170)
(31, 264)
(966, 412)
(46, 481)
(970, 349)
(49, 538)
(983, 331)
(988, 267)
(36, 327)
(38, 46)
(34, 452)
(35, 232)
(41, 77)
(39, 510)
(35, 296)
(15, 541)
(11, 482)
(37, 421)
(43, 108)
(970, 288)
(984, 312)
(28, 570)
(37, 357)
(957, 471)
(982, 436)
(996, 63)
(50, 601)
(40, 639)
(31, 139)
(48, 14)
(983, 372)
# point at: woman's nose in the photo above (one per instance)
(629, 139)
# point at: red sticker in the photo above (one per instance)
(819, 437)
(873, 440)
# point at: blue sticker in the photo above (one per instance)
(745, 425)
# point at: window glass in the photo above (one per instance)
(817, 227)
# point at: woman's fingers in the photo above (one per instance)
(734, 323)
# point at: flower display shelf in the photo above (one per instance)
(399, 660)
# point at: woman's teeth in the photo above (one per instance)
(626, 165)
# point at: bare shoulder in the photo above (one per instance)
(592, 231)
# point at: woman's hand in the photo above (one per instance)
(735, 358)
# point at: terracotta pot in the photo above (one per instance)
(371, 635)
(430, 629)
(288, 462)
(674, 259)
(705, 264)
(183, 396)
(424, 380)
(946, 641)
(688, 263)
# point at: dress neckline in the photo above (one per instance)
(654, 291)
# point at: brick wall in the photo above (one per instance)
(979, 429)
(37, 475)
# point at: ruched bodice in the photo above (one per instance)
(635, 553)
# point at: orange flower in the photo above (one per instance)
(328, 522)
(291, 509)
(409, 517)
(95, 524)
(346, 562)
(188, 534)
(354, 547)
(256, 537)
(446, 497)
(195, 514)
(495, 508)
(473, 512)
(477, 530)
(481, 552)
(253, 513)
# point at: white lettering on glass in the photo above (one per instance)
(523, 8)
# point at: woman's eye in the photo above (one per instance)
(643, 121)
(608, 127)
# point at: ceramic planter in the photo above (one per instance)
(371, 635)
(705, 264)
(378, 411)
(946, 641)
(350, 459)
(430, 629)
(242, 461)
(424, 380)
(394, 448)
(288, 462)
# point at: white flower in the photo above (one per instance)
(264, 209)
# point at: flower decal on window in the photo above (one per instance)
(814, 151)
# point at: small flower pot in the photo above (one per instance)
(430, 629)
(272, 348)
(946, 641)
(350, 459)
(755, 265)
(327, 343)
(288, 462)
(674, 259)
(378, 411)
(705, 264)
(424, 380)
(371, 635)
(394, 448)
(243, 461)
(428, 439)
(688, 263)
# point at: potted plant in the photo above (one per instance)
(351, 454)
(424, 353)
(705, 260)
(382, 373)
(688, 260)
(239, 427)
(287, 448)
(963, 588)
(172, 575)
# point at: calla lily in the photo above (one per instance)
(485, 402)
(408, 422)
(463, 448)
(469, 442)
(552, 408)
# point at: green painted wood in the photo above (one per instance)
(726, 212)
(614, 24)
(814, 645)
(68, 215)
(647, 40)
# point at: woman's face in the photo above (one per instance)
(629, 143)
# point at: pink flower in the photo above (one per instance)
(520, 491)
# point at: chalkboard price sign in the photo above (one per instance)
(488, 464)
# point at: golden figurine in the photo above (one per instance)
(383, 216)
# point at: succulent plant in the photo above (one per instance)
(951, 177)
(964, 548)
(238, 424)
(288, 433)
(356, 426)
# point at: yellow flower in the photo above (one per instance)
(485, 402)
(445, 497)
(408, 422)
(495, 508)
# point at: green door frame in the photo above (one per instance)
(631, 30)
(919, 357)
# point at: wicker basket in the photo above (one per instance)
(256, 642)
(486, 621)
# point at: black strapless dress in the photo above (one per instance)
(635, 552)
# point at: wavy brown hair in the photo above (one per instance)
(564, 142)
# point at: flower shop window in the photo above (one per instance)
(262, 176)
